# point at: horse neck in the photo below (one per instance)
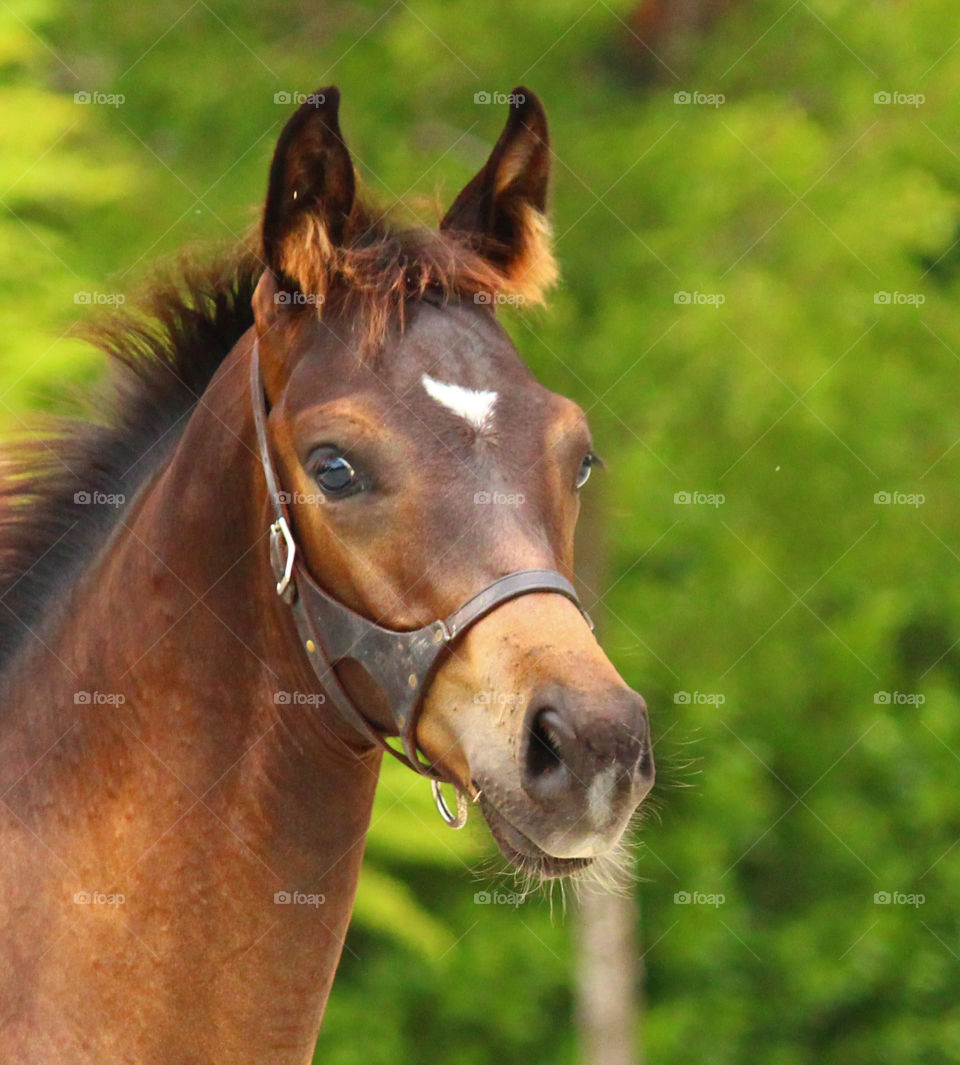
(182, 785)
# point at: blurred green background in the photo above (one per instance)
(756, 208)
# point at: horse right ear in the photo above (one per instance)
(501, 214)
(309, 197)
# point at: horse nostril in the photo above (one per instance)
(544, 749)
(572, 746)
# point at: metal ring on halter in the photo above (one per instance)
(454, 820)
(281, 528)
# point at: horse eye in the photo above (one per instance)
(335, 475)
(590, 460)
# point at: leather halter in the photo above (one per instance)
(402, 664)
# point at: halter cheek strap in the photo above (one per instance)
(402, 664)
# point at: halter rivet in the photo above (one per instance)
(438, 636)
(412, 680)
(311, 646)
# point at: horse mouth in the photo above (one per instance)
(522, 853)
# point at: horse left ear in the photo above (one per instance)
(310, 193)
(502, 212)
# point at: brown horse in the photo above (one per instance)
(322, 504)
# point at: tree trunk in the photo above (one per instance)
(608, 968)
(608, 964)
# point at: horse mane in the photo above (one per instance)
(369, 278)
(164, 351)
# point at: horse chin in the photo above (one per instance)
(522, 853)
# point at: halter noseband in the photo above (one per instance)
(402, 664)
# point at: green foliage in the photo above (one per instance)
(50, 172)
(795, 601)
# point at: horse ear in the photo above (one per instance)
(310, 192)
(502, 212)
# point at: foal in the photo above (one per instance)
(324, 504)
